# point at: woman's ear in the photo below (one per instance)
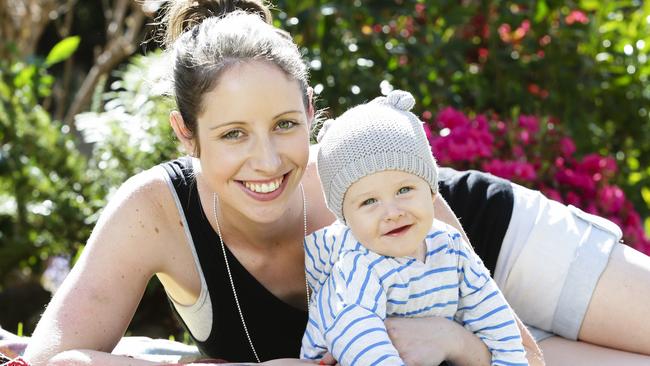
(182, 132)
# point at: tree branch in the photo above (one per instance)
(122, 43)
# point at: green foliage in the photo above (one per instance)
(131, 131)
(62, 50)
(583, 62)
(44, 195)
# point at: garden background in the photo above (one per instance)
(551, 94)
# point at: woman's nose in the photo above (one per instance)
(265, 157)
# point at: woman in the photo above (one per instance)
(223, 228)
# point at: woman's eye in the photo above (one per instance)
(286, 124)
(233, 135)
(404, 190)
(369, 201)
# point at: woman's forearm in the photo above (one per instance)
(91, 357)
(427, 341)
(469, 350)
(533, 352)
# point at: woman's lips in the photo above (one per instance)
(264, 196)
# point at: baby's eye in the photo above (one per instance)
(286, 124)
(233, 135)
(404, 190)
(369, 201)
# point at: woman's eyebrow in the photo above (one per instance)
(226, 124)
(287, 112)
(242, 122)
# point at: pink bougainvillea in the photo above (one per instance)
(535, 152)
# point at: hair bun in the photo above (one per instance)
(182, 15)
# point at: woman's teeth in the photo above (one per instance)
(264, 187)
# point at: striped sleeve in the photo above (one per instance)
(322, 249)
(352, 309)
(483, 310)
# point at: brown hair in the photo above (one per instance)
(206, 37)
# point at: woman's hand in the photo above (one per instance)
(430, 341)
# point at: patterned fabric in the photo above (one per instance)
(11, 348)
(356, 289)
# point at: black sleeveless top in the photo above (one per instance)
(275, 327)
(482, 202)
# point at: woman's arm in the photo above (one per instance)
(96, 302)
(534, 354)
(420, 340)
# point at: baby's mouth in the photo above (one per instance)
(398, 231)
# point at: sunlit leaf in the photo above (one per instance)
(62, 50)
(541, 11)
(645, 193)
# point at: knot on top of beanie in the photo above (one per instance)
(398, 99)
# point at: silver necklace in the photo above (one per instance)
(215, 204)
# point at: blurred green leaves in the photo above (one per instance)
(44, 192)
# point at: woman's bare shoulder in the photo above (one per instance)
(138, 215)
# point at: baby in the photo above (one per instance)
(387, 255)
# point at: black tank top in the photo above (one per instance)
(275, 327)
(482, 202)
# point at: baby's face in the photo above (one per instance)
(390, 212)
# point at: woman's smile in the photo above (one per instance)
(264, 190)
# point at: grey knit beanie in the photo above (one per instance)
(379, 135)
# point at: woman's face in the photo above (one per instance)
(254, 140)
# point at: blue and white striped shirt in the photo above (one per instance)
(356, 289)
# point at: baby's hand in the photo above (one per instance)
(328, 359)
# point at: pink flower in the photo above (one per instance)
(504, 32)
(500, 129)
(522, 30)
(529, 123)
(546, 161)
(567, 147)
(483, 54)
(524, 137)
(594, 163)
(576, 16)
(573, 199)
(551, 193)
(451, 118)
(518, 152)
(579, 180)
(611, 199)
(466, 140)
(517, 170)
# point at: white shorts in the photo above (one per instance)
(550, 261)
